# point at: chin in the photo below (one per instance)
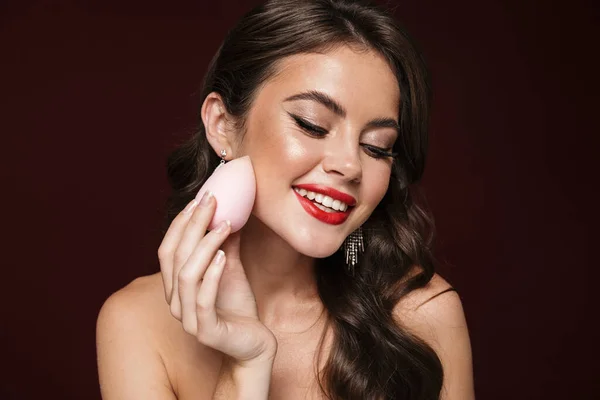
(316, 247)
(318, 253)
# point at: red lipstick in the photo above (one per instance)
(332, 218)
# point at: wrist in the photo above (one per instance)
(252, 378)
(263, 359)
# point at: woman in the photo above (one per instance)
(330, 100)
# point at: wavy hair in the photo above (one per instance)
(373, 355)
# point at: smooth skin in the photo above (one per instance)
(207, 327)
(192, 266)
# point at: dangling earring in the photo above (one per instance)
(223, 155)
(353, 244)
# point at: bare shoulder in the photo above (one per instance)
(145, 291)
(130, 364)
(144, 352)
(436, 304)
(435, 314)
(137, 306)
(140, 308)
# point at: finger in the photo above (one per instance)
(193, 272)
(192, 233)
(206, 314)
(169, 245)
(232, 246)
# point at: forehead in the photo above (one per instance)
(361, 80)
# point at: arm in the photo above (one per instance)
(440, 321)
(129, 365)
(450, 340)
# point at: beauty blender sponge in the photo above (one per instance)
(234, 187)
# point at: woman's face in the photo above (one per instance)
(316, 133)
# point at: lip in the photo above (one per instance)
(328, 191)
(333, 218)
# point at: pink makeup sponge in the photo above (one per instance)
(234, 187)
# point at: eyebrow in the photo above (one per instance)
(339, 110)
(322, 98)
(383, 123)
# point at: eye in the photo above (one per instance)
(317, 131)
(378, 152)
(306, 126)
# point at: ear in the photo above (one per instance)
(217, 125)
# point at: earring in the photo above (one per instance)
(223, 155)
(353, 244)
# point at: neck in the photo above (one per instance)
(281, 278)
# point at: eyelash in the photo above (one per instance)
(316, 131)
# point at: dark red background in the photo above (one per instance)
(94, 96)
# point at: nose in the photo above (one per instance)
(343, 158)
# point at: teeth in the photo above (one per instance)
(336, 204)
(322, 207)
(326, 202)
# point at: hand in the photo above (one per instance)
(207, 289)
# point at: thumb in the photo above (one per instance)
(231, 246)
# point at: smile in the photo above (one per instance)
(324, 203)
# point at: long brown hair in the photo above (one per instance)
(373, 356)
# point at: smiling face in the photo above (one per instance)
(322, 127)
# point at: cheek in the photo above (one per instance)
(279, 156)
(375, 184)
(278, 151)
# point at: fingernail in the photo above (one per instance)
(219, 257)
(190, 206)
(206, 198)
(222, 227)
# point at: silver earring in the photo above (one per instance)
(353, 245)
(223, 155)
